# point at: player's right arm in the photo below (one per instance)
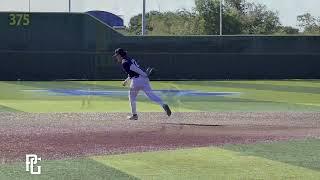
(125, 82)
(126, 67)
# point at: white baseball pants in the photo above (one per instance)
(141, 83)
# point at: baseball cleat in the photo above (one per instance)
(133, 117)
(167, 109)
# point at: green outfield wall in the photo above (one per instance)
(51, 46)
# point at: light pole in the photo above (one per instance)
(143, 18)
(69, 6)
(221, 17)
(29, 6)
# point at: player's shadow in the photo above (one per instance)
(193, 124)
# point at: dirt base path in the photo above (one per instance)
(68, 135)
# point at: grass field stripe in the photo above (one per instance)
(309, 104)
(263, 95)
(282, 83)
(248, 100)
(8, 109)
(267, 87)
(82, 168)
(243, 90)
(300, 83)
(304, 153)
(203, 163)
(281, 97)
(76, 106)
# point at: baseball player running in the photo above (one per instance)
(139, 81)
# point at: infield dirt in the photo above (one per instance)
(70, 135)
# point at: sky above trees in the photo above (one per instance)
(288, 9)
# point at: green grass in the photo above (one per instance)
(299, 153)
(295, 95)
(79, 169)
(7, 109)
(279, 160)
(216, 163)
(294, 83)
(106, 105)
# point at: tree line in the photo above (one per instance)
(239, 17)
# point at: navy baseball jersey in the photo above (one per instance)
(126, 64)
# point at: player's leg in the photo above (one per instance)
(135, 87)
(153, 97)
(133, 93)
